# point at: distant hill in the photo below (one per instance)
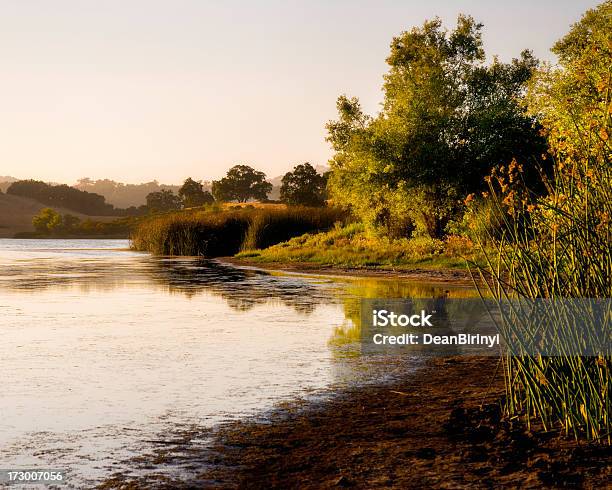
(64, 196)
(16, 214)
(5, 181)
(125, 195)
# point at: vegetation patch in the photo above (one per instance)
(352, 245)
(213, 233)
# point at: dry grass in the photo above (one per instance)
(214, 233)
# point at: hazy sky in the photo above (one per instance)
(136, 90)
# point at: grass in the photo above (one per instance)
(352, 246)
(556, 248)
(224, 232)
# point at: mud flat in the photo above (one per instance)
(440, 428)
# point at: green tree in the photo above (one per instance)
(304, 186)
(70, 222)
(241, 184)
(447, 118)
(573, 99)
(193, 194)
(47, 221)
(164, 200)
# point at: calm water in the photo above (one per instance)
(104, 349)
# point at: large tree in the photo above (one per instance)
(193, 194)
(164, 200)
(241, 184)
(447, 118)
(304, 186)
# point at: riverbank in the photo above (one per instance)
(411, 273)
(439, 428)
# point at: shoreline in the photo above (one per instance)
(441, 428)
(456, 276)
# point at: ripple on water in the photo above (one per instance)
(105, 349)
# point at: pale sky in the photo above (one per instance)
(136, 90)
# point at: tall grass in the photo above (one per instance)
(557, 247)
(225, 233)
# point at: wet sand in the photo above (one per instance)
(439, 428)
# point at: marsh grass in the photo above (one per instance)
(557, 247)
(215, 233)
(353, 246)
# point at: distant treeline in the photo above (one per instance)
(125, 195)
(64, 196)
(303, 186)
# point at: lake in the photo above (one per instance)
(104, 349)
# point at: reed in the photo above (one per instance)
(213, 233)
(556, 247)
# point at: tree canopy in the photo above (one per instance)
(164, 200)
(241, 184)
(447, 118)
(304, 186)
(193, 194)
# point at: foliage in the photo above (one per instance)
(193, 194)
(481, 222)
(558, 245)
(303, 187)
(241, 184)
(50, 223)
(164, 200)
(70, 222)
(212, 234)
(447, 118)
(47, 220)
(353, 246)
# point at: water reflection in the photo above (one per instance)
(103, 348)
(241, 289)
(348, 333)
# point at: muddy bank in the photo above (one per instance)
(461, 276)
(438, 429)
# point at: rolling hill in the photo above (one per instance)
(16, 214)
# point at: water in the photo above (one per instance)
(104, 349)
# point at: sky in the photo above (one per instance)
(137, 90)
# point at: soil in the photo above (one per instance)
(439, 428)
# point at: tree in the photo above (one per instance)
(447, 118)
(70, 222)
(164, 200)
(193, 194)
(573, 100)
(241, 184)
(48, 220)
(304, 186)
